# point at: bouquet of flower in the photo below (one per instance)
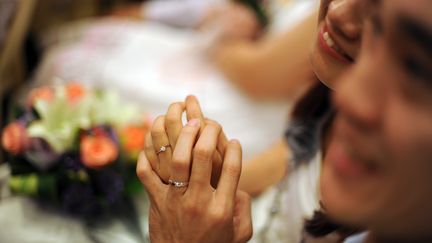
(76, 148)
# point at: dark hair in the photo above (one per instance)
(307, 119)
(310, 119)
(321, 225)
(258, 9)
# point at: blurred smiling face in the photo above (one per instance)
(340, 26)
(377, 170)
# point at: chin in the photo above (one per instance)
(337, 202)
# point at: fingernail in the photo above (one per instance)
(193, 123)
(191, 97)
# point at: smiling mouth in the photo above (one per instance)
(331, 48)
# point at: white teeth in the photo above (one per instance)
(328, 39)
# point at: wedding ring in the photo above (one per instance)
(162, 149)
(178, 184)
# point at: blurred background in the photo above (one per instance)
(235, 56)
(22, 22)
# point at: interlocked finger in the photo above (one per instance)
(150, 153)
(193, 110)
(149, 178)
(173, 121)
(162, 147)
(182, 156)
(203, 156)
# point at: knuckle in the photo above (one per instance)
(192, 209)
(148, 148)
(234, 144)
(189, 131)
(142, 172)
(164, 175)
(173, 114)
(159, 119)
(232, 170)
(216, 126)
(249, 231)
(175, 106)
(158, 132)
(202, 154)
(220, 216)
(172, 120)
(179, 164)
(158, 123)
(244, 196)
(246, 235)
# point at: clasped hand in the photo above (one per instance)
(192, 183)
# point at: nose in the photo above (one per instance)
(346, 17)
(359, 96)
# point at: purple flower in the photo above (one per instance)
(79, 199)
(72, 161)
(40, 154)
(110, 184)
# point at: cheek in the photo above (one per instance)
(408, 147)
(326, 70)
(408, 132)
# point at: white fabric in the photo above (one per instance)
(186, 13)
(286, 14)
(358, 238)
(155, 65)
(28, 222)
(298, 201)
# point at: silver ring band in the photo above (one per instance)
(163, 149)
(178, 184)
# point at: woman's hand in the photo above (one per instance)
(189, 209)
(165, 132)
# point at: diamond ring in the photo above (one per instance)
(162, 149)
(178, 184)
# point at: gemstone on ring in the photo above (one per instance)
(162, 149)
(178, 184)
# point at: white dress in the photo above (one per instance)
(154, 65)
(279, 214)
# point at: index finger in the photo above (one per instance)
(193, 110)
(222, 141)
(231, 170)
(173, 121)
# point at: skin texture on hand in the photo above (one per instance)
(198, 212)
(165, 131)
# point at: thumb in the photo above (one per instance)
(242, 218)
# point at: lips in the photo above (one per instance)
(346, 165)
(347, 156)
(329, 46)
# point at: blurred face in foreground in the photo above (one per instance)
(377, 169)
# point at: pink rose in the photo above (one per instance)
(41, 93)
(14, 138)
(74, 92)
(97, 151)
